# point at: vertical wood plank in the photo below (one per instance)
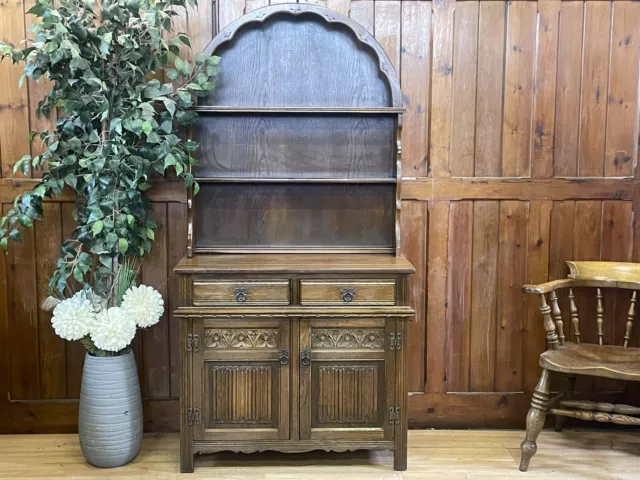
(23, 308)
(14, 101)
(340, 6)
(512, 264)
(200, 24)
(414, 247)
(545, 88)
(5, 355)
(458, 318)
(53, 362)
(537, 272)
(36, 92)
(623, 90)
(491, 46)
(74, 351)
(561, 250)
(415, 67)
(560, 242)
(155, 380)
(484, 294)
(387, 29)
(230, 10)
(595, 69)
(441, 88)
(437, 298)
(518, 89)
(617, 246)
(362, 12)
(565, 161)
(176, 249)
(587, 234)
(251, 5)
(320, 3)
(465, 66)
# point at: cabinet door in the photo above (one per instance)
(347, 379)
(241, 379)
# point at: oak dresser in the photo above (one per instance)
(294, 296)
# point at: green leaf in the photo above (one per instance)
(199, 58)
(213, 60)
(4, 243)
(170, 105)
(123, 244)
(78, 275)
(184, 39)
(169, 160)
(172, 74)
(97, 227)
(111, 239)
(147, 127)
(151, 234)
(26, 221)
(15, 236)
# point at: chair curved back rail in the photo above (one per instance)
(596, 275)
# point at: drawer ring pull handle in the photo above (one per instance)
(241, 294)
(348, 294)
(305, 357)
(283, 357)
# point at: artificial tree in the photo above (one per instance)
(118, 122)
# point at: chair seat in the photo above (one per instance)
(588, 359)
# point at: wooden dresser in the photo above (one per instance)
(294, 294)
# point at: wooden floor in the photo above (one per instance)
(438, 455)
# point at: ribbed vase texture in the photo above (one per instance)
(110, 416)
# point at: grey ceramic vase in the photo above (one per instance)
(110, 415)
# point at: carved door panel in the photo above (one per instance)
(347, 379)
(241, 379)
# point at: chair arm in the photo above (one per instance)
(549, 286)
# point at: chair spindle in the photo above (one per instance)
(575, 321)
(600, 317)
(557, 316)
(630, 316)
(549, 324)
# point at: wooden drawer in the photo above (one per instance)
(348, 292)
(238, 292)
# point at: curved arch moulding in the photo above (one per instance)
(292, 55)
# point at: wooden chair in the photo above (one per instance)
(579, 358)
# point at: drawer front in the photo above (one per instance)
(239, 293)
(348, 292)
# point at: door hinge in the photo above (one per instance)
(193, 342)
(395, 341)
(394, 416)
(193, 416)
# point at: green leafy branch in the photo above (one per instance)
(117, 124)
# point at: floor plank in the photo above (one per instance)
(433, 454)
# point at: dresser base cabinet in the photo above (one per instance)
(293, 378)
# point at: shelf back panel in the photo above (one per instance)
(294, 216)
(298, 61)
(303, 146)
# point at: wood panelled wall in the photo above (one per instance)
(520, 146)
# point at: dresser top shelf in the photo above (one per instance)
(294, 263)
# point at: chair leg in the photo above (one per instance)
(535, 420)
(569, 387)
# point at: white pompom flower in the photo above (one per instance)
(144, 304)
(73, 317)
(113, 329)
